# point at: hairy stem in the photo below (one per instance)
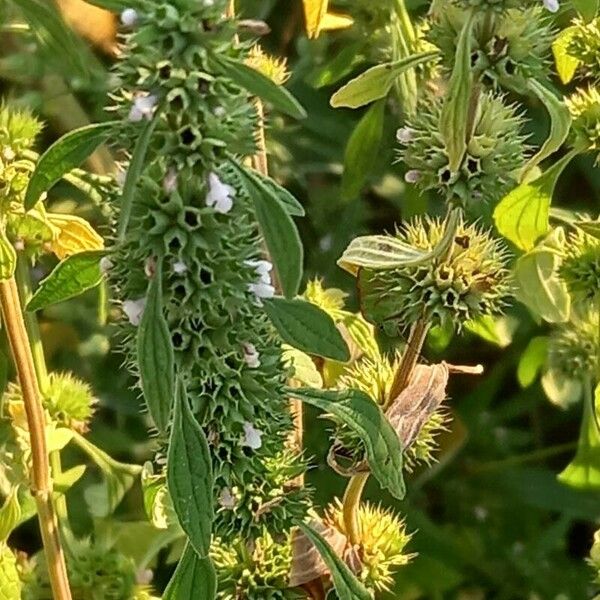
(41, 484)
(351, 504)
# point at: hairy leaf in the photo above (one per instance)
(189, 475)
(194, 577)
(71, 277)
(155, 357)
(375, 83)
(306, 327)
(346, 584)
(285, 198)
(364, 417)
(64, 155)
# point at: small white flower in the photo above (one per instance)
(404, 135)
(261, 290)
(19, 244)
(251, 355)
(170, 181)
(150, 267)
(134, 309)
(226, 498)
(262, 268)
(552, 5)
(326, 242)
(144, 576)
(120, 178)
(105, 265)
(412, 176)
(219, 112)
(220, 195)
(252, 436)
(179, 267)
(143, 108)
(129, 17)
(8, 153)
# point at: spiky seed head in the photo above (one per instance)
(580, 268)
(331, 300)
(270, 66)
(383, 541)
(18, 130)
(584, 46)
(584, 106)
(69, 401)
(469, 281)
(573, 348)
(494, 156)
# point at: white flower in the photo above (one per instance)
(105, 265)
(129, 17)
(251, 355)
(404, 135)
(179, 267)
(552, 5)
(143, 108)
(220, 112)
(170, 181)
(134, 310)
(262, 268)
(412, 176)
(252, 436)
(220, 195)
(261, 290)
(226, 498)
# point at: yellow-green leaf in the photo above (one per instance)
(566, 65)
(586, 8)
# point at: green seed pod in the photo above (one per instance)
(580, 268)
(584, 106)
(10, 583)
(584, 47)
(494, 155)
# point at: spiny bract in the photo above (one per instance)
(580, 268)
(584, 106)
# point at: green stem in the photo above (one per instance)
(351, 504)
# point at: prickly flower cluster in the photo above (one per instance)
(580, 267)
(193, 226)
(584, 106)
(468, 281)
(584, 46)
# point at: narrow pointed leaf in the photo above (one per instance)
(375, 83)
(560, 124)
(278, 229)
(532, 360)
(155, 357)
(64, 155)
(285, 198)
(346, 584)
(71, 277)
(364, 417)
(189, 475)
(260, 85)
(194, 577)
(308, 328)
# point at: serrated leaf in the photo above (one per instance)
(64, 155)
(189, 475)
(8, 258)
(375, 83)
(586, 8)
(71, 277)
(364, 417)
(10, 514)
(522, 215)
(346, 584)
(560, 124)
(532, 360)
(278, 229)
(259, 85)
(566, 65)
(194, 577)
(540, 287)
(306, 327)
(155, 356)
(455, 111)
(362, 149)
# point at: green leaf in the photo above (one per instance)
(64, 155)
(375, 83)
(10, 514)
(532, 360)
(302, 366)
(155, 357)
(67, 479)
(134, 172)
(560, 124)
(522, 215)
(71, 277)
(259, 85)
(360, 155)
(279, 230)
(194, 577)
(566, 65)
(455, 112)
(285, 198)
(539, 286)
(363, 416)
(346, 584)
(496, 330)
(583, 472)
(8, 258)
(586, 8)
(560, 390)
(189, 474)
(342, 64)
(116, 6)
(306, 327)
